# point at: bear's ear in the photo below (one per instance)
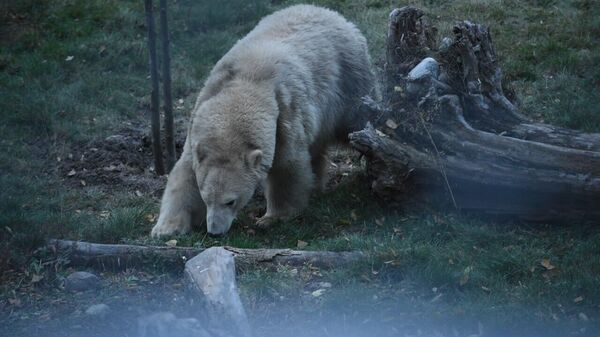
(254, 158)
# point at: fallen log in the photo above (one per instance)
(452, 132)
(120, 256)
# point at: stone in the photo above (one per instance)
(98, 310)
(166, 324)
(82, 281)
(420, 78)
(428, 68)
(445, 44)
(210, 276)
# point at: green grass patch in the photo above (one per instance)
(73, 71)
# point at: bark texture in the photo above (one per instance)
(452, 132)
(119, 256)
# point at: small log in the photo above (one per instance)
(248, 258)
(119, 256)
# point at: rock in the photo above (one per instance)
(210, 276)
(82, 281)
(166, 324)
(98, 310)
(420, 78)
(317, 285)
(445, 44)
(428, 68)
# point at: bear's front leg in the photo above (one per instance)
(181, 204)
(289, 184)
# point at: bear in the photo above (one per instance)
(266, 115)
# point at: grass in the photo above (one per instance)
(73, 72)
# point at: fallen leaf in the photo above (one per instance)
(391, 124)
(138, 193)
(151, 217)
(35, 278)
(102, 49)
(71, 173)
(578, 299)
(171, 243)
(546, 264)
(301, 244)
(69, 58)
(583, 317)
(486, 289)
(465, 277)
(104, 214)
(344, 222)
(83, 183)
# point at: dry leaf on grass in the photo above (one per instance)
(546, 264)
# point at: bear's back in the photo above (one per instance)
(318, 57)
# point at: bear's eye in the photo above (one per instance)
(230, 203)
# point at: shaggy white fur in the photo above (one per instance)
(267, 113)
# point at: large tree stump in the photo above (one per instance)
(451, 131)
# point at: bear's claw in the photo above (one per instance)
(265, 221)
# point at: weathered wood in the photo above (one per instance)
(166, 77)
(159, 166)
(120, 256)
(272, 257)
(458, 136)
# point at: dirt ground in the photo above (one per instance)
(124, 160)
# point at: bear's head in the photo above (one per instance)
(232, 145)
(226, 185)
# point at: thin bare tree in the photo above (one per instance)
(166, 77)
(154, 101)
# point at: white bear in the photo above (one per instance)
(267, 113)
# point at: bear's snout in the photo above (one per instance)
(218, 222)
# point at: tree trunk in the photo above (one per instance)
(166, 75)
(154, 99)
(452, 131)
